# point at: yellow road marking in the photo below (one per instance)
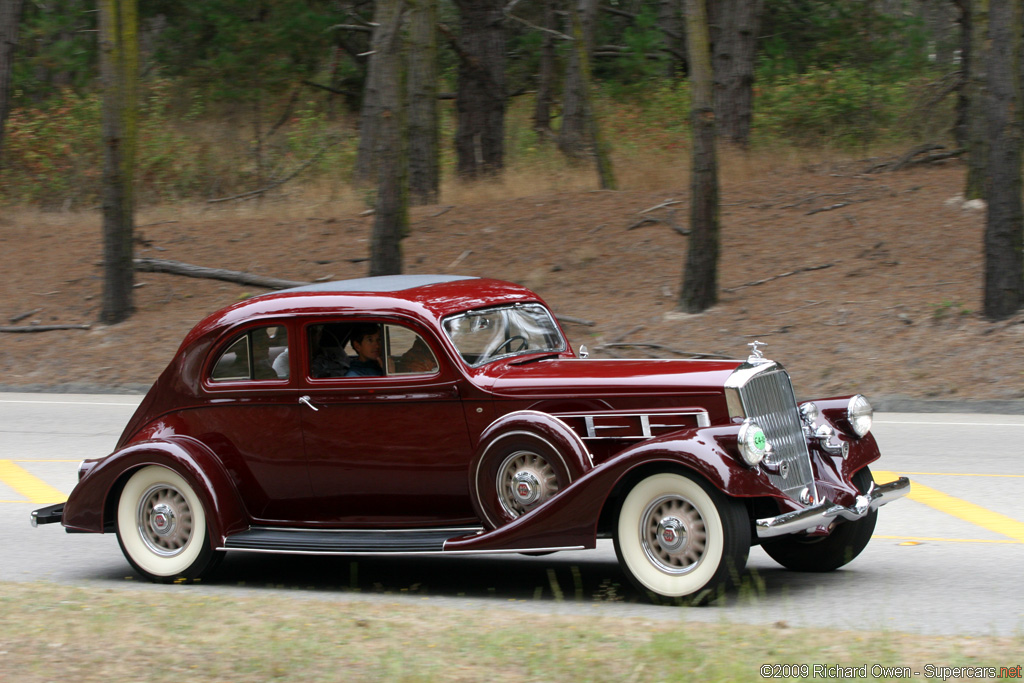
(33, 488)
(969, 512)
(961, 474)
(948, 540)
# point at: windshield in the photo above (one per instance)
(484, 335)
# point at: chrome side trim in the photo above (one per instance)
(592, 429)
(828, 512)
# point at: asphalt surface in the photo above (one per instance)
(944, 560)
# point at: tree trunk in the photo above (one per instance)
(386, 15)
(960, 125)
(546, 75)
(573, 137)
(1004, 231)
(977, 146)
(602, 158)
(700, 280)
(10, 15)
(421, 68)
(673, 30)
(391, 215)
(480, 101)
(119, 59)
(734, 26)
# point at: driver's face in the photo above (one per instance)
(369, 348)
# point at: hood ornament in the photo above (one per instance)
(756, 357)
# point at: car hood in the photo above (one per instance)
(593, 377)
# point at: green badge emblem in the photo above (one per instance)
(759, 440)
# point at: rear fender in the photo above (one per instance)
(92, 504)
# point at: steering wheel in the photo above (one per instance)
(508, 342)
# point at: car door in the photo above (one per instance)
(389, 449)
(251, 421)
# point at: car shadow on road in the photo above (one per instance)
(573, 578)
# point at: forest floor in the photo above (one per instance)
(877, 278)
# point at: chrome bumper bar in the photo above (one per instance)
(827, 512)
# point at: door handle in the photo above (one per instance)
(305, 399)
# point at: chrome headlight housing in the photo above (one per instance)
(859, 415)
(753, 444)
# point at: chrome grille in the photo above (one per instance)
(768, 398)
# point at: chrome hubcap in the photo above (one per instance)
(525, 488)
(525, 480)
(164, 520)
(673, 534)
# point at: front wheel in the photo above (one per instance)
(161, 526)
(828, 553)
(677, 536)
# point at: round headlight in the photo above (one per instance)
(753, 443)
(859, 414)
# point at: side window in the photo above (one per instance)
(260, 353)
(407, 352)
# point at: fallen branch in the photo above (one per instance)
(776, 277)
(823, 209)
(460, 259)
(649, 219)
(42, 328)
(660, 347)
(22, 316)
(152, 265)
(667, 202)
(574, 321)
(625, 334)
(909, 160)
(277, 183)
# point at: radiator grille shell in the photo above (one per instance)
(764, 393)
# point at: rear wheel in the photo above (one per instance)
(161, 526)
(677, 536)
(826, 553)
(517, 474)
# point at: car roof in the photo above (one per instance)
(382, 283)
(425, 297)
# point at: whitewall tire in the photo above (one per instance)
(677, 536)
(161, 526)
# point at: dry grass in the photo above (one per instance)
(51, 632)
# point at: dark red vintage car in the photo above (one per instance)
(438, 414)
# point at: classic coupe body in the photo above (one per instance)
(446, 414)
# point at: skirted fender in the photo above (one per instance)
(535, 431)
(87, 509)
(570, 518)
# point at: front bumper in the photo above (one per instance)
(50, 514)
(825, 513)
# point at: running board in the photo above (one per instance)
(347, 542)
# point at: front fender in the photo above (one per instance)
(569, 519)
(91, 504)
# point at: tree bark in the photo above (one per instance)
(700, 279)
(1004, 231)
(10, 15)
(391, 215)
(573, 137)
(385, 17)
(733, 29)
(670, 22)
(480, 101)
(977, 146)
(546, 74)
(421, 68)
(960, 125)
(119, 65)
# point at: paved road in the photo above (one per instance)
(946, 560)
